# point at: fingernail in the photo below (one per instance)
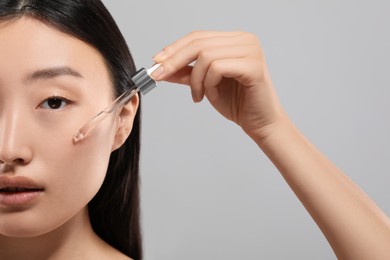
(159, 56)
(197, 98)
(158, 73)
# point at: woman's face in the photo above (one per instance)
(50, 85)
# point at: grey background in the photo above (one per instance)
(208, 192)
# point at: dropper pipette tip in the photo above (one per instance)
(78, 136)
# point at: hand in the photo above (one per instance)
(230, 70)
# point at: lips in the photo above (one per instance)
(18, 190)
(18, 183)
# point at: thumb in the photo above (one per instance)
(181, 76)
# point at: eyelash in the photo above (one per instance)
(56, 97)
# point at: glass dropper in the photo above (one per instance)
(142, 82)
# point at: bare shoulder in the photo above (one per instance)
(112, 253)
(106, 251)
(117, 255)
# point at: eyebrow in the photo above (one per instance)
(51, 73)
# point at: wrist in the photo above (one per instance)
(272, 131)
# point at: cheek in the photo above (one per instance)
(72, 175)
(78, 170)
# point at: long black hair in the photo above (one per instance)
(115, 210)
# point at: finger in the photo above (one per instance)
(177, 45)
(229, 68)
(182, 76)
(208, 56)
(190, 52)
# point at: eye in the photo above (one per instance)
(55, 102)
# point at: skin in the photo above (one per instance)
(56, 225)
(230, 70)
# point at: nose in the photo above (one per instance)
(14, 149)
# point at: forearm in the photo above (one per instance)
(352, 223)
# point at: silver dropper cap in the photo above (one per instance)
(143, 81)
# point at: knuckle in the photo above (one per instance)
(205, 56)
(255, 50)
(196, 43)
(251, 37)
(195, 33)
(215, 67)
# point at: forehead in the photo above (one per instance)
(28, 44)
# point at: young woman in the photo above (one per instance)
(63, 61)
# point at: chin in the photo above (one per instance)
(27, 230)
(22, 225)
(21, 232)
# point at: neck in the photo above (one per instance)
(72, 239)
